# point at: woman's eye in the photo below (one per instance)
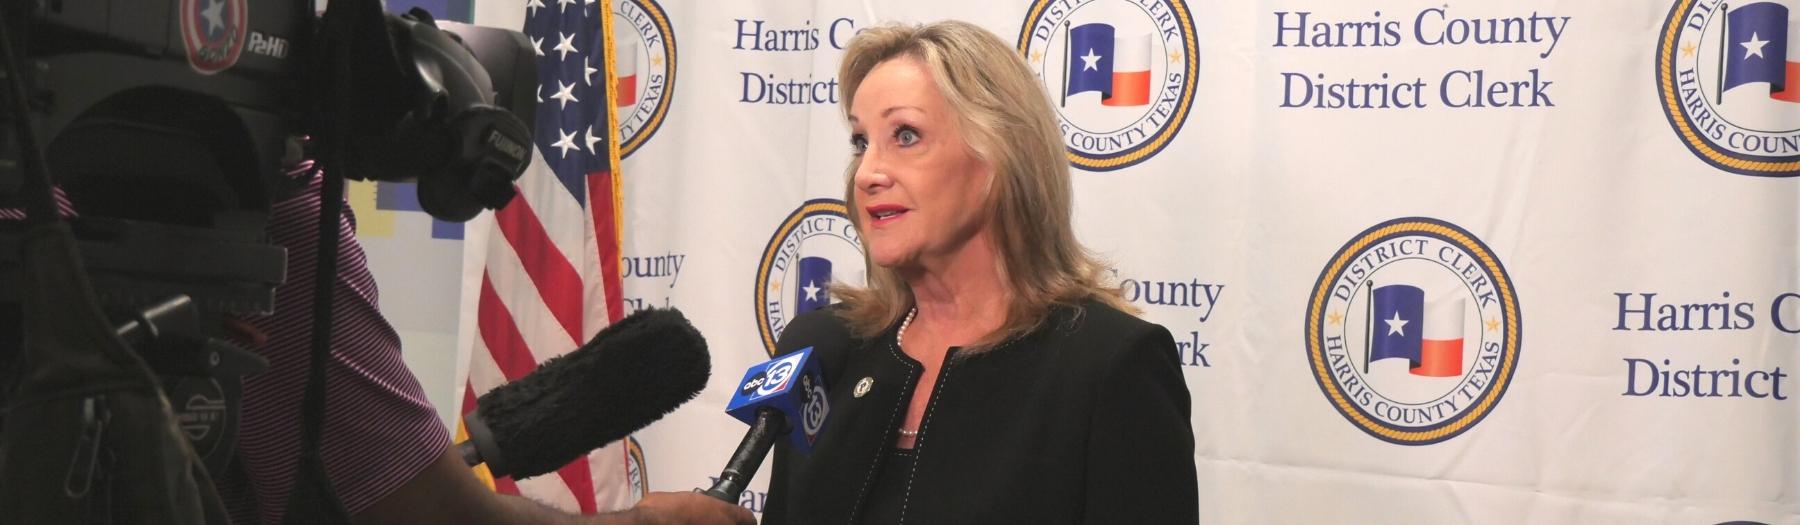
(858, 143)
(906, 136)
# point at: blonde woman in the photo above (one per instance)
(985, 374)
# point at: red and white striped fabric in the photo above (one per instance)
(62, 206)
(380, 430)
(541, 276)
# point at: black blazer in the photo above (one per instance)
(1084, 421)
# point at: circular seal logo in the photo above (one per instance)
(213, 33)
(644, 51)
(1413, 331)
(815, 245)
(637, 473)
(1728, 75)
(1120, 74)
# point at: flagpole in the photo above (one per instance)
(1724, 42)
(1065, 81)
(1369, 326)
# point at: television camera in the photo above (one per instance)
(169, 128)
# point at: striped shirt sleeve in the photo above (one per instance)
(380, 431)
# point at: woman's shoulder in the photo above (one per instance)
(1094, 334)
(1093, 343)
(1094, 317)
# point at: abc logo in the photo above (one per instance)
(753, 383)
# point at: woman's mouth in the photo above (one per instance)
(885, 213)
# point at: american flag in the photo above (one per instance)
(548, 262)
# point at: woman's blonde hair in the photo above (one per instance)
(1005, 116)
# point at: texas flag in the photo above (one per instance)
(1118, 68)
(1430, 339)
(1756, 50)
(815, 279)
(626, 66)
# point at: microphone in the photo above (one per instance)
(773, 398)
(631, 374)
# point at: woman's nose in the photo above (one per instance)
(870, 178)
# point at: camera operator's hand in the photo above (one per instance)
(680, 508)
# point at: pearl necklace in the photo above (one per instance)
(900, 337)
(900, 340)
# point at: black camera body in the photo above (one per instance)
(168, 110)
(149, 118)
(171, 127)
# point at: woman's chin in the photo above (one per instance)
(892, 260)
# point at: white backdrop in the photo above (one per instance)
(1623, 239)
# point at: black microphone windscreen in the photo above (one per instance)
(825, 333)
(816, 329)
(631, 374)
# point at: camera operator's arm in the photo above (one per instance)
(446, 492)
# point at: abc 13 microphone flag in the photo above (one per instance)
(1424, 262)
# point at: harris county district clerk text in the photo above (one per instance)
(1431, 27)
